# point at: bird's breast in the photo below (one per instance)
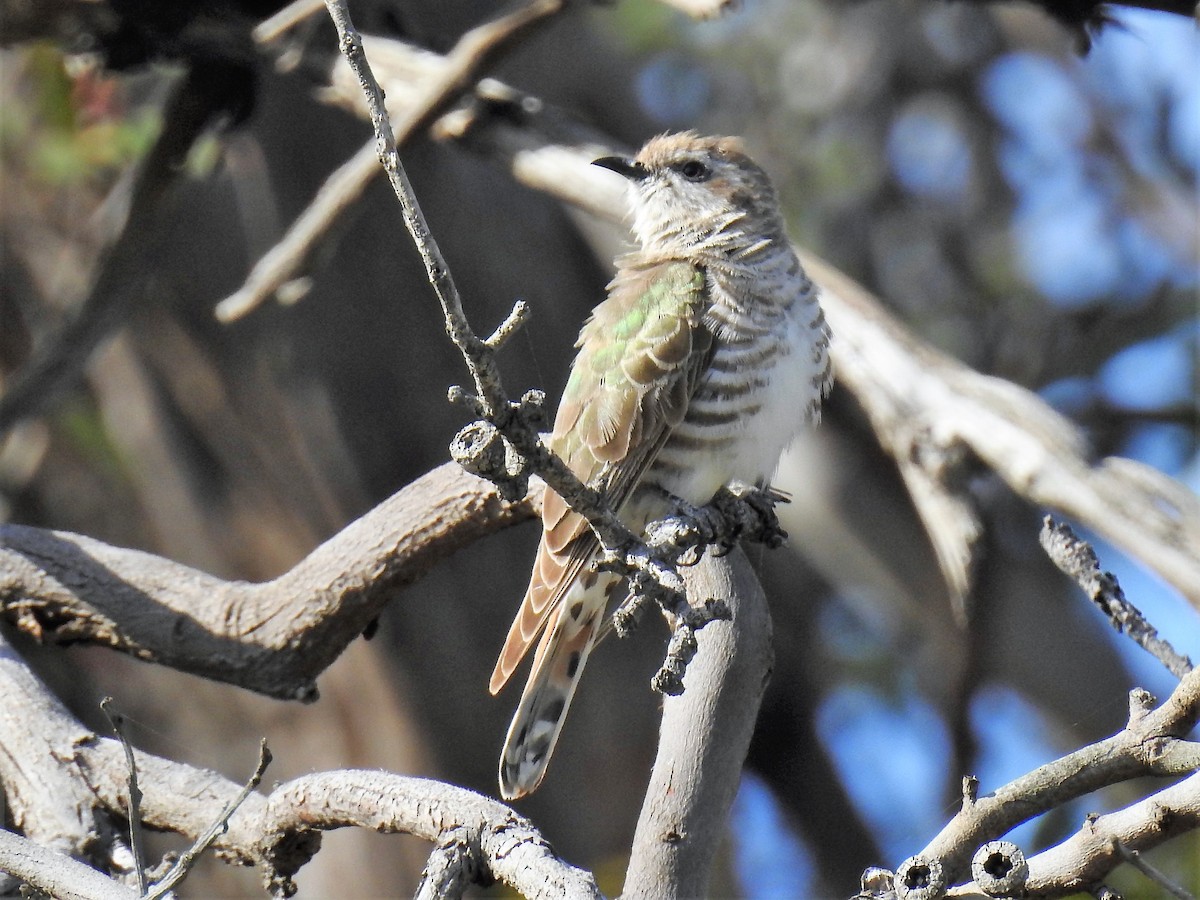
(763, 385)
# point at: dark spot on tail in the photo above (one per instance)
(576, 611)
(573, 663)
(536, 753)
(554, 711)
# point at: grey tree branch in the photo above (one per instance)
(1092, 853)
(1152, 743)
(278, 832)
(45, 801)
(1076, 558)
(694, 779)
(476, 50)
(55, 874)
(188, 858)
(509, 847)
(66, 587)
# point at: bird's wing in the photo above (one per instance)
(641, 357)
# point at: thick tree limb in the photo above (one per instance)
(932, 406)
(55, 874)
(508, 845)
(274, 638)
(704, 737)
(45, 801)
(278, 832)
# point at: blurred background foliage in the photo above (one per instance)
(1029, 210)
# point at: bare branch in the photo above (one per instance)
(1151, 744)
(66, 587)
(184, 864)
(453, 865)
(1076, 558)
(694, 779)
(271, 28)
(912, 392)
(134, 814)
(462, 67)
(1095, 850)
(280, 832)
(1134, 858)
(55, 874)
(45, 801)
(512, 849)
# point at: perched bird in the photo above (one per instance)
(707, 357)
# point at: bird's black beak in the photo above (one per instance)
(622, 165)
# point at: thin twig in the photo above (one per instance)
(475, 51)
(1076, 558)
(1136, 860)
(185, 862)
(116, 720)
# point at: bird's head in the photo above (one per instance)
(687, 188)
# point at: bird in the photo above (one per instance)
(708, 355)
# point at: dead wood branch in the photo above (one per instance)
(1152, 743)
(463, 66)
(278, 832)
(1076, 558)
(695, 775)
(274, 638)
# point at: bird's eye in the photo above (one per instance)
(694, 170)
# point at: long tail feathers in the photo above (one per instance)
(559, 662)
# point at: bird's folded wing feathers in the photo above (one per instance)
(642, 355)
